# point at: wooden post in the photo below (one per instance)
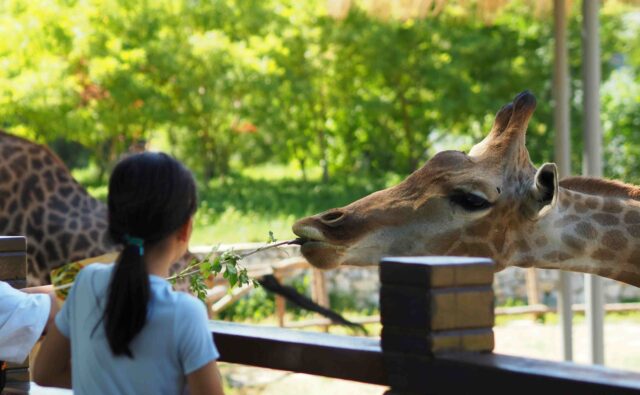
(592, 161)
(13, 270)
(533, 290)
(430, 305)
(562, 153)
(319, 292)
(281, 305)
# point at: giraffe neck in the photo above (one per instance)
(594, 228)
(40, 200)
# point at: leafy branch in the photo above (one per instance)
(227, 263)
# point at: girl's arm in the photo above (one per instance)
(52, 367)
(205, 380)
(45, 289)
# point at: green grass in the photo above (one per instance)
(245, 206)
(232, 226)
(578, 318)
(89, 178)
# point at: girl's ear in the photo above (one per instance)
(184, 232)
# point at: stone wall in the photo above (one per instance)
(510, 283)
(361, 283)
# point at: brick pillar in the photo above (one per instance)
(430, 305)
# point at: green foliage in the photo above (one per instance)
(245, 206)
(257, 306)
(213, 264)
(225, 262)
(513, 302)
(282, 196)
(260, 305)
(345, 302)
(229, 83)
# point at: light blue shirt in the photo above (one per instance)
(22, 319)
(174, 342)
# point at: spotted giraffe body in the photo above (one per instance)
(492, 202)
(40, 200)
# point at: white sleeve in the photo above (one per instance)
(22, 320)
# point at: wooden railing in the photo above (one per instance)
(437, 315)
(13, 270)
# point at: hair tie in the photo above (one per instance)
(136, 242)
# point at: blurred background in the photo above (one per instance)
(286, 108)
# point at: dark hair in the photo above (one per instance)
(150, 196)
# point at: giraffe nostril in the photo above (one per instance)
(332, 217)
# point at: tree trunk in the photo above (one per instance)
(323, 158)
(303, 168)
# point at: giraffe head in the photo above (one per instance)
(456, 204)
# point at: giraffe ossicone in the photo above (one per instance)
(492, 202)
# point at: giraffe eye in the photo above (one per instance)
(469, 201)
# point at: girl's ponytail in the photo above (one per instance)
(126, 310)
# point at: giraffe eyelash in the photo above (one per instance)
(469, 201)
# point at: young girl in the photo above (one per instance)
(122, 329)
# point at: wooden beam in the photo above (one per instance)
(341, 357)
(13, 270)
(361, 359)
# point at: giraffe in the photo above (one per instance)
(40, 199)
(492, 202)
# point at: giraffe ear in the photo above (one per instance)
(545, 188)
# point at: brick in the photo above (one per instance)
(13, 265)
(13, 243)
(438, 309)
(437, 272)
(399, 340)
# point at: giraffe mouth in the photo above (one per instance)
(307, 243)
(308, 234)
(310, 238)
(316, 248)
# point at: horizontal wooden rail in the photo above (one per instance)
(13, 270)
(361, 359)
(341, 357)
(577, 308)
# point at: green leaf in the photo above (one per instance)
(233, 279)
(271, 238)
(217, 265)
(231, 268)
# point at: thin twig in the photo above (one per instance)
(63, 287)
(278, 244)
(186, 273)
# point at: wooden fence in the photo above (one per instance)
(13, 270)
(437, 315)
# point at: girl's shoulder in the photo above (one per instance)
(189, 306)
(96, 270)
(95, 276)
(99, 267)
